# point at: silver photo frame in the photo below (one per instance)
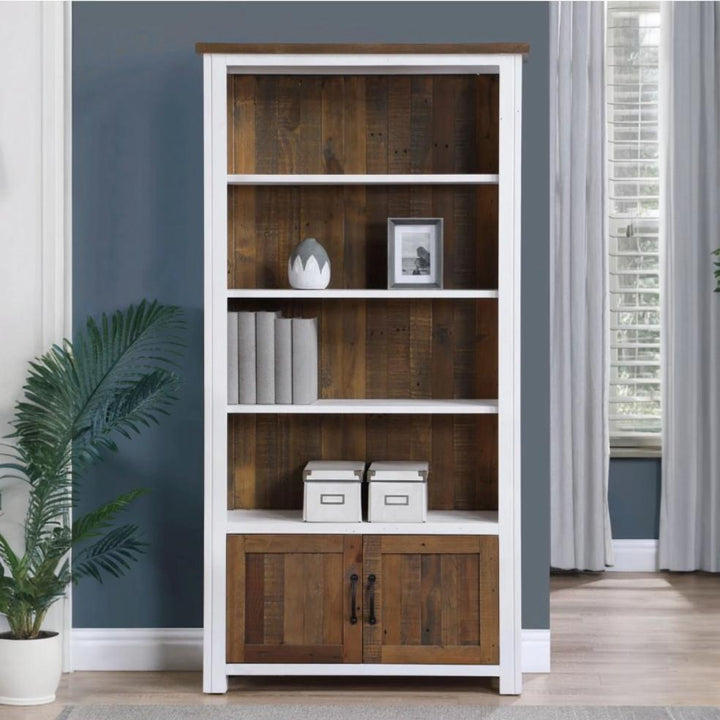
(415, 253)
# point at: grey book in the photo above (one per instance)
(246, 358)
(283, 361)
(265, 357)
(232, 358)
(304, 361)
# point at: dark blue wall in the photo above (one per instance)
(635, 498)
(137, 207)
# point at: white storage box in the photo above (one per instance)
(333, 491)
(397, 492)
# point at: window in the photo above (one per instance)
(633, 37)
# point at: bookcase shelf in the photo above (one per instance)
(363, 125)
(378, 179)
(351, 222)
(439, 522)
(384, 407)
(267, 452)
(320, 150)
(401, 349)
(400, 294)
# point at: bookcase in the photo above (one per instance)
(329, 141)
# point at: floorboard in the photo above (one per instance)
(618, 639)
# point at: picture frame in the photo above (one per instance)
(415, 253)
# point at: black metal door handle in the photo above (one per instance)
(371, 590)
(353, 598)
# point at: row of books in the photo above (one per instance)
(272, 360)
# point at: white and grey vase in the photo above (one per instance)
(309, 266)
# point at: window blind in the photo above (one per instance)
(633, 36)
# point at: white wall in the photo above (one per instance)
(20, 214)
(34, 208)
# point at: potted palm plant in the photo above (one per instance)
(116, 378)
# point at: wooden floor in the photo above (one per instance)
(617, 639)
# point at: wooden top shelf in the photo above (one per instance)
(363, 48)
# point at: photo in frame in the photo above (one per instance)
(415, 252)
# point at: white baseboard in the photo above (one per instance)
(137, 648)
(535, 651)
(635, 556)
(181, 649)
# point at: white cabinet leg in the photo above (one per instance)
(216, 684)
(510, 684)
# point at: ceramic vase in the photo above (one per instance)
(309, 266)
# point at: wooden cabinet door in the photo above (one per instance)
(435, 599)
(289, 599)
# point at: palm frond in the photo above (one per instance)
(55, 545)
(119, 351)
(70, 385)
(124, 413)
(91, 524)
(111, 554)
(116, 379)
(8, 556)
(7, 588)
(43, 419)
(48, 506)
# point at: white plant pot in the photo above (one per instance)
(30, 670)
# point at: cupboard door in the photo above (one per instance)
(430, 599)
(289, 599)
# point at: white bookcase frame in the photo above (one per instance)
(218, 520)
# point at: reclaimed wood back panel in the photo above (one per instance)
(363, 124)
(266, 222)
(400, 349)
(268, 452)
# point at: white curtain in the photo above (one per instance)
(579, 452)
(690, 122)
